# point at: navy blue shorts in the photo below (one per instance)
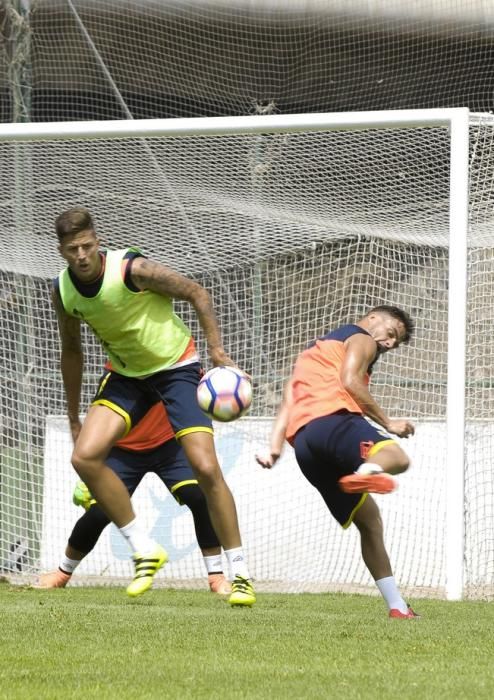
(167, 461)
(177, 388)
(332, 446)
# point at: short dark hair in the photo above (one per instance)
(73, 221)
(396, 312)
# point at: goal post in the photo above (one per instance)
(457, 328)
(294, 223)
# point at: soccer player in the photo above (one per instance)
(150, 447)
(127, 300)
(340, 453)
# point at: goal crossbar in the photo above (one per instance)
(221, 126)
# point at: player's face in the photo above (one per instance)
(81, 252)
(388, 332)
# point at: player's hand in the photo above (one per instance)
(267, 461)
(400, 427)
(219, 358)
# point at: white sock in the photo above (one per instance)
(68, 566)
(391, 594)
(236, 563)
(369, 468)
(138, 540)
(213, 564)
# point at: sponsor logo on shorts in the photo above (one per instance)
(365, 448)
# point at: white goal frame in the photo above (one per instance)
(454, 119)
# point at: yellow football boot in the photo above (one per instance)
(146, 565)
(242, 592)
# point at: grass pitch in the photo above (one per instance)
(97, 643)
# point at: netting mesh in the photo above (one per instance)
(155, 58)
(291, 234)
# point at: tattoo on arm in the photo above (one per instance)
(158, 278)
(147, 274)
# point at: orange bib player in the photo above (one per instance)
(150, 447)
(326, 420)
(340, 453)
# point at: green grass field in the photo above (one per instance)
(96, 643)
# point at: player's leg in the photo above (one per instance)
(200, 452)
(172, 467)
(119, 403)
(190, 494)
(100, 430)
(82, 540)
(194, 431)
(388, 455)
(369, 523)
(371, 458)
(319, 464)
(87, 530)
(130, 467)
(367, 519)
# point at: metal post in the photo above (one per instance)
(457, 306)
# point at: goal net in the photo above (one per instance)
(81, 59)
(293, 230)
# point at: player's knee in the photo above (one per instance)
(84, 464)
(393, 459)
(402, 462)
(209, 476)
(191, 496)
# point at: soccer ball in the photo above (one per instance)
(224, 393)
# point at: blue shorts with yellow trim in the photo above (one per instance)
(177, 388)
(333, 446)
(167, 461)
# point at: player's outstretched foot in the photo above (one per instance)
(53, 579)
(146, 566)
(242, 592)
(218, 584)
(398, 615)
(370, 483)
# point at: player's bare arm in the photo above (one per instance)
(71, 362)
(277, 439)
(147, 274)
(278, 431)
(360, 352)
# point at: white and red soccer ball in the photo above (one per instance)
(224, 393)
